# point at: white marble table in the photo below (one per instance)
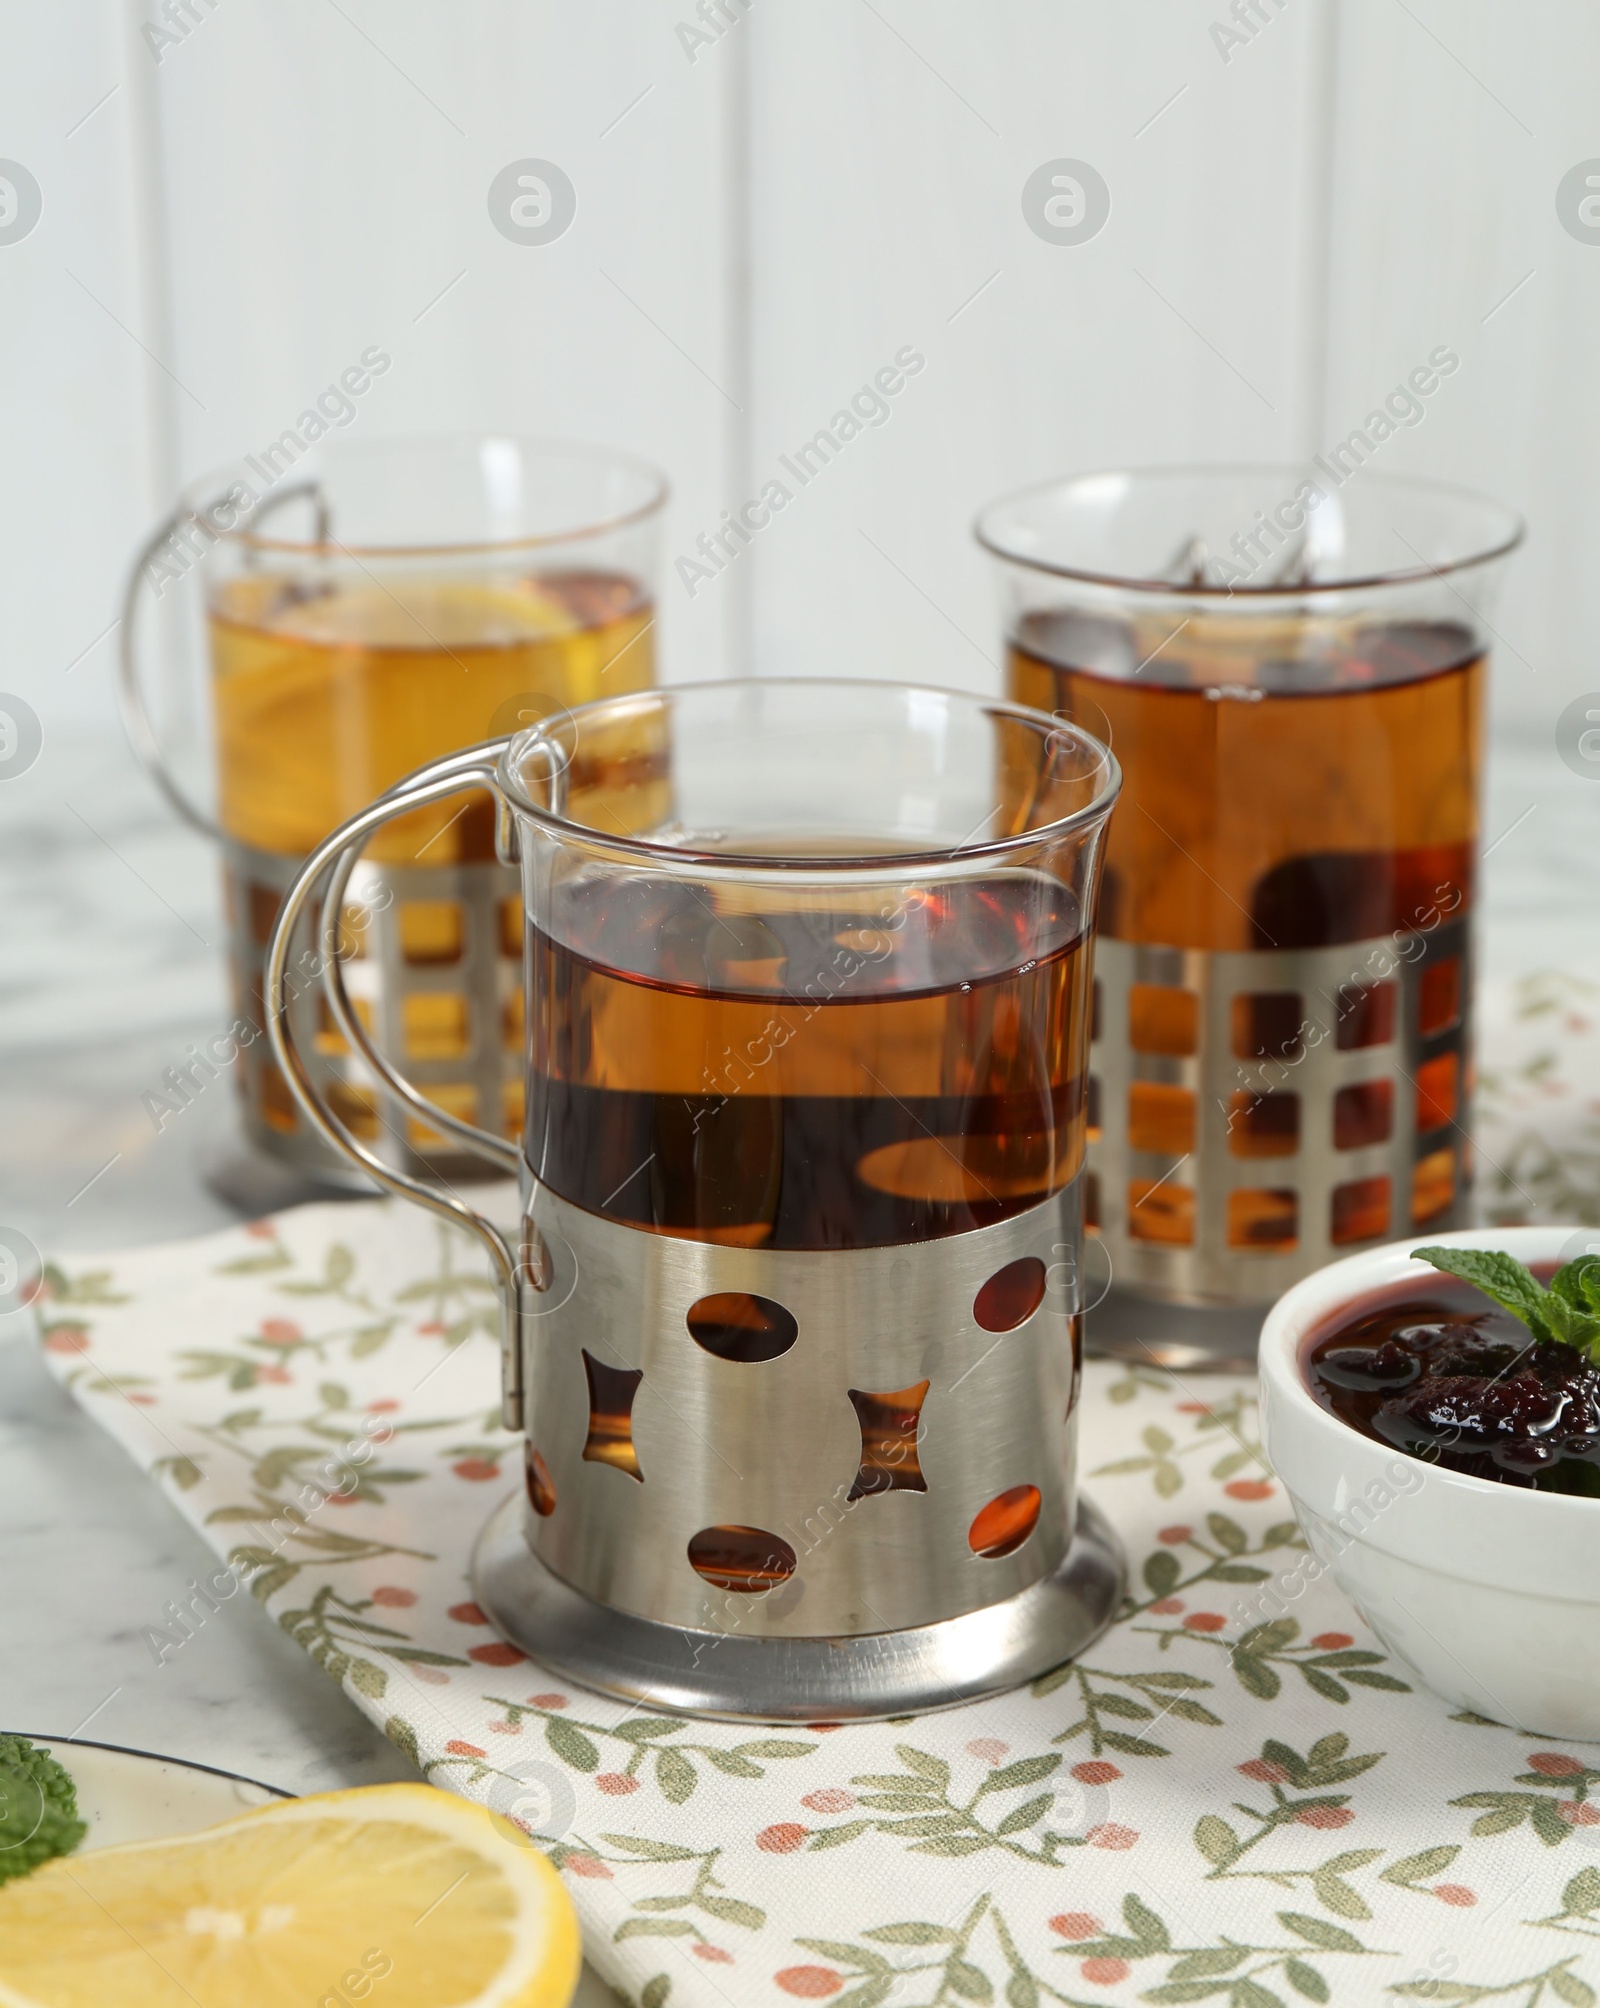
(110, 967)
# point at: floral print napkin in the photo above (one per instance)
(1235, 1796)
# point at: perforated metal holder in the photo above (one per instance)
(1317, 1108)
(470, 1057)
(877, 1602)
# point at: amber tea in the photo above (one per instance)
(1327, 795)
(327, 694)
(766, 1073)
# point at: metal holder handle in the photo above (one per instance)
(336, 857)
(136, 719)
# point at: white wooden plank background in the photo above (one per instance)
(759, 229)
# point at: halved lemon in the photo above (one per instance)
(400, 1895)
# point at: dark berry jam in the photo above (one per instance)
(1438, 1371)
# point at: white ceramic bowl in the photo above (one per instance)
(1491, 1593)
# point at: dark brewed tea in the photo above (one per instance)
(765, 1070)
(1285, 785)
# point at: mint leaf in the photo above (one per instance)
(1579, 1283)
(38, 1809)
(1568, 1312)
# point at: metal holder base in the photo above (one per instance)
(1182, 1338)
(247, 1177)
(738, 1678)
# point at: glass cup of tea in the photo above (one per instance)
(327, 619)
(792, 1321)
(1291, 665)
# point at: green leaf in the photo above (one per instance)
(951, 1844)
(934, 1769)
(675, 1775)
(732, 1764)
(654, 1992)
(1021, 1990)
(653, 1927)
(1287, 1760)
(1183, 1990)
(967, 1980)
(571, 1745)
(899, 1802)
(1156, 1440)
(1317, 1931)
(928, 1823)
(331, 1395)
(1142, 1921)
(368, 1679)
(895, 1781)
(1190, 1682)
(1124, 1706)
(1334, 1894)
(1501, 1278)
(1256, 1677)
(1568, 1987)
(1415, 1868)
(1227, 1533)
(1501, 1821)
(1547, 1823)
(650, 1851)
(404, 1738)
(1247, 1994)
(1305, 1980)
(1582, 1894)
(1270, 1637)
(1026, 1771)
(1578, 1283)
(1194, 1711)
(1217, 1841)
(732, 1911)
(1132, 1746)
(868, 1994)
(1362, 1678)
(1213, 1959)
(772, 1747)
(1283, 1534)
(836, 1837)
(642, 1727)
(1327, 1749)
(1238, 1572)
(1161, 1572)
(846, 1955)
(1168, 1479)
(1026, 1815)
(913, 1934)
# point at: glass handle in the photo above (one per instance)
(136, 719)
(337, 857)
(213, 519)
